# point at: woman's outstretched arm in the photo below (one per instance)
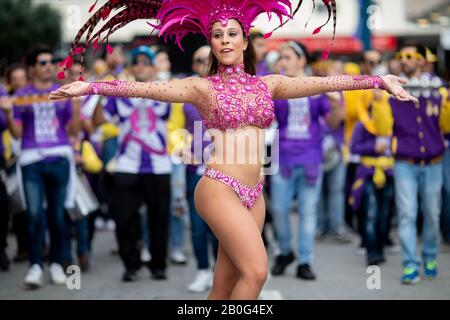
(290, 88)
(189, 90)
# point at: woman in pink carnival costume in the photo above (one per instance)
(228, 197)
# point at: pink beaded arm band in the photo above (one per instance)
(115, 88)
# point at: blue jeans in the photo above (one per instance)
(145, 233)
(200, 231)
(446, 207)
(176, 222)
(46, 179)
(332, 201)
(82, 236)
(376, 208)
(412, 181)
(283, 190)
(176, 232)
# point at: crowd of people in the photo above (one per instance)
(355, 165)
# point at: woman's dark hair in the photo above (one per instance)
(299, 49)
(33, 53)
(249, 59)
(13, 67)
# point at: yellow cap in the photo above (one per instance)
(431, 57)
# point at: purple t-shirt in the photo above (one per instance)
(338, 133)
(262, 69)
(44, 122)
(3, 124)
(300, 130)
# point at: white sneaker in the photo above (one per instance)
(178, 257)
(57, 275)
(110, 225)
(145, 255)
(202, 281)
(99, 223)
(33, 278)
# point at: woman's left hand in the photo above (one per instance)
(394, 85)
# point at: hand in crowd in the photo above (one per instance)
(337, 104)
(381, 146)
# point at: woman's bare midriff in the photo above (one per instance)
(239, 153)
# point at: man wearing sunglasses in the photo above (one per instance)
(45, 163)
(371, 60)
(418, 148)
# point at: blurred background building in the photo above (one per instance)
(362, 24)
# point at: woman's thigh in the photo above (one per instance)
(237, 228)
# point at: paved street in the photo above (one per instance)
(341, 275)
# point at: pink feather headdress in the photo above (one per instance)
(177, 18)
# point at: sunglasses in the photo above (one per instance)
(45, 62)
(145, 63)
(201, 60)
(373, 63)
(408, 56)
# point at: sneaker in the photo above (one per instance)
(202, 281)
(281, 262)
(83, 261)
(99, 223)
(341, 238)
(110, 225)
(410, 276)
(430, 269)
(178, 257)
(57, 275)
(375, 261)
(159, 274)
(321, 235)
(304, 272)
(145, 255)
(130, 276)
(33, 278)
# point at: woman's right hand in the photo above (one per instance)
(74, 89)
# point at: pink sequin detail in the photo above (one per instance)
(109, 88)
(247, 195)
(231, 108)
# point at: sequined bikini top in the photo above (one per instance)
(238, 100)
